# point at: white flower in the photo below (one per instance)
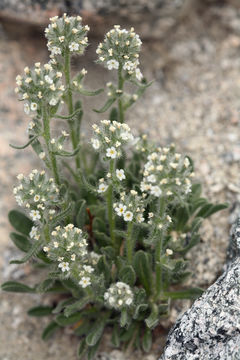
(53, 102)
(139, 218)
(186, 162)
(169, 252)
(102, 188)
(120, 209)
(35, 215)
(112, 64)
(126, 136)
(42, 155)
(64, 266)
(129, 65)
(55, 50)
(111, 152)
(128, 216)
(156, 191)
(120, 174)
(36, 198)
(48, 79)
(85, 281)
(33, 232)
(26, 108)
(129, 301)
(33, 106)
(151, 178)
(138, 74)
(88, 268)
(74, 46)
(95, 143)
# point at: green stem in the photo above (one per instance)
(111, 217)
(73, 134)
(158, 254)
(47, 137)
(46, 233)
(120, 87)
(129, 243)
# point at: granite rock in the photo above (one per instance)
(233, 251)
(210, 329)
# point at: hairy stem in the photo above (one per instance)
(47, 137)
(120, 87)
(158, 253)
(73, 134)
(129, 243)
(111, 217)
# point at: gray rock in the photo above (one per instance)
(210, 329)
(233, 251)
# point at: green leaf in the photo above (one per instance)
(72, 287)
(147, 340)
(140, 308)
(26, 145)
(216, 208)
(20, 222)
(78, 305)
(63, 214)
(90, 93)
(81, 215)
(192, 294)
(40, 311)
(69, 116)
(45, 285)
(106, 106)
(116, 336)
(64, 153)
(21, 242)
(30, 253)
(83, 328)
(13, 286)
(153, 318)
(127, 275)
(143, 269)
(49, 330)
(82, 348)
(61, 305)
(93, 350)
(95, 333)
(63, 320)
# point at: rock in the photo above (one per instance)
(210, 329)
(233, 251)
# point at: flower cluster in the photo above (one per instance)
(120, 49)
(66, 34)
(131, 207)
(68, 246)
(119, 296)
(109, 138)
(167, 173)
(37, 193)
(38, 85)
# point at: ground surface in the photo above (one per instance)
(194, 102)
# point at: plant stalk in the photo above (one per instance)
(120, 87)
(129, 242)
(73, 134)
(111, 217)
(47, 137)
(158, 254)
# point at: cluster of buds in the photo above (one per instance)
(109, 137)
(119, 296)
(167, 173)
(57, 144)
(68, 246)
(131, 207)
(120, 49)
(66, 34)
(38, 194)
(38, 85)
